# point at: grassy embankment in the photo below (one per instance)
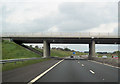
(11, 50)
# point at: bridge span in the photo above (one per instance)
(48, 38)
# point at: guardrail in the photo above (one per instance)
(59, 34)
(16, 60)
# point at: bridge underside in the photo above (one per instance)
(67, 40)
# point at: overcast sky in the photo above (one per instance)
(61, 16)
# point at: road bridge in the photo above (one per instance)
(48, 38)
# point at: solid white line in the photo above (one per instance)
(92, 72)
(104, 64)
(39, 76)
(95, 61)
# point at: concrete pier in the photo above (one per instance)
(46, 50)
(91, 49)
(89, 56)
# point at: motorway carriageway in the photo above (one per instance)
(64, 71)
(78, 71)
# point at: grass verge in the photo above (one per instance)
(60, 53)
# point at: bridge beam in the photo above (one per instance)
(8, 39)
(46, 50)
(91, 49)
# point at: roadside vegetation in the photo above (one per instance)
(61, 52)
(11, 50)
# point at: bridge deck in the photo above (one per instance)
(70, 38)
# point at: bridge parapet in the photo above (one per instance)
(62, 34)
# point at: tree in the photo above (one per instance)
(31, 46)
(67, 49)
(36, 46)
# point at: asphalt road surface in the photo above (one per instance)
(81, 71)
(66, 71)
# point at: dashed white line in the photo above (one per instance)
(83, 65)
(39, 76)
(92, 72)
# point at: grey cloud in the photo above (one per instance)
(27, 27)
(116, 30)
(72, 17)
(82, 16)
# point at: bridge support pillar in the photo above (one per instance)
(46, 49)
(91, 50)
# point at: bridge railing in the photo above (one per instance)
(60, 34)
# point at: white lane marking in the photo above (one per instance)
(92, 72)
(39, 76)
(103, 79)
(95, 61)
(112, 66)
(78, 62)
(104, 64)
(83, 65)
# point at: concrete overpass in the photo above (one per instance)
(64, 38)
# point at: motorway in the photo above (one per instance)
(65, 71)
(80, 71)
